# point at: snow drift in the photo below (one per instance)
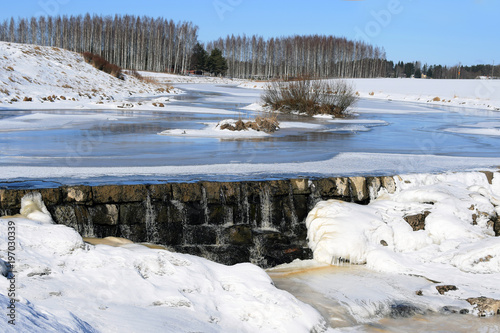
(455, 245)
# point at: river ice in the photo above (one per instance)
(399, 137)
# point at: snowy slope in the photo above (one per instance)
(36, 72)
(65, 285)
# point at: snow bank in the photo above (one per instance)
(456, 245)
(481, 128)
(213, 130)
(39, 77)
(343, 164)
(175, 78)
(44, 121)
(66, 285)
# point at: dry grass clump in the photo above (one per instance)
(310, 97)
(135, 74)
(267, 124)
(163, 90)
(150, 80)
(4, 91)
(102, 64)
(9, 69)
(27, 99)
(436, 99)
(52, 98)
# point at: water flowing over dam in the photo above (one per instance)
(229, 222)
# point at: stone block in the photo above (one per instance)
(160, 192)
(389, 184)
(11, 199)
(187, 192)
(301, 207)
(201, 235)
(78, 194)
(342, 188)
(104, 214)
(194, 213)
(300, 186)
(50, 196)
(238, 235)
(132, 213)
(373, 184)
(119, 193)
(359, 189)
(277, 187)
(325, 187)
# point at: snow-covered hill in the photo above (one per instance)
(38, 77)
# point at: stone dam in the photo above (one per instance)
(262, 222)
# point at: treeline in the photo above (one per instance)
(295, 56)
(144, 43)
(133, 42)
(417, 70)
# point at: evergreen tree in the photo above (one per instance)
(409, 69)
(199, 58)
(429, 72)
(216, 63)
(418, 73)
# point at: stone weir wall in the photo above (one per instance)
(231, 222)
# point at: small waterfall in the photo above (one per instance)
(87, 229)
(152, 232)
(257, 253)
(204, 203)
(266, 207)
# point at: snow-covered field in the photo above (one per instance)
(482, 94)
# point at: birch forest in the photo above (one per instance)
(296, 56)
(131, 42)
(144, 43)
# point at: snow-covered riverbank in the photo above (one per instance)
(41, 77)
(62, 283)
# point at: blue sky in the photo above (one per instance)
(434, 32)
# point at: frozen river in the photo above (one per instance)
(379, 137)
(128, 138)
